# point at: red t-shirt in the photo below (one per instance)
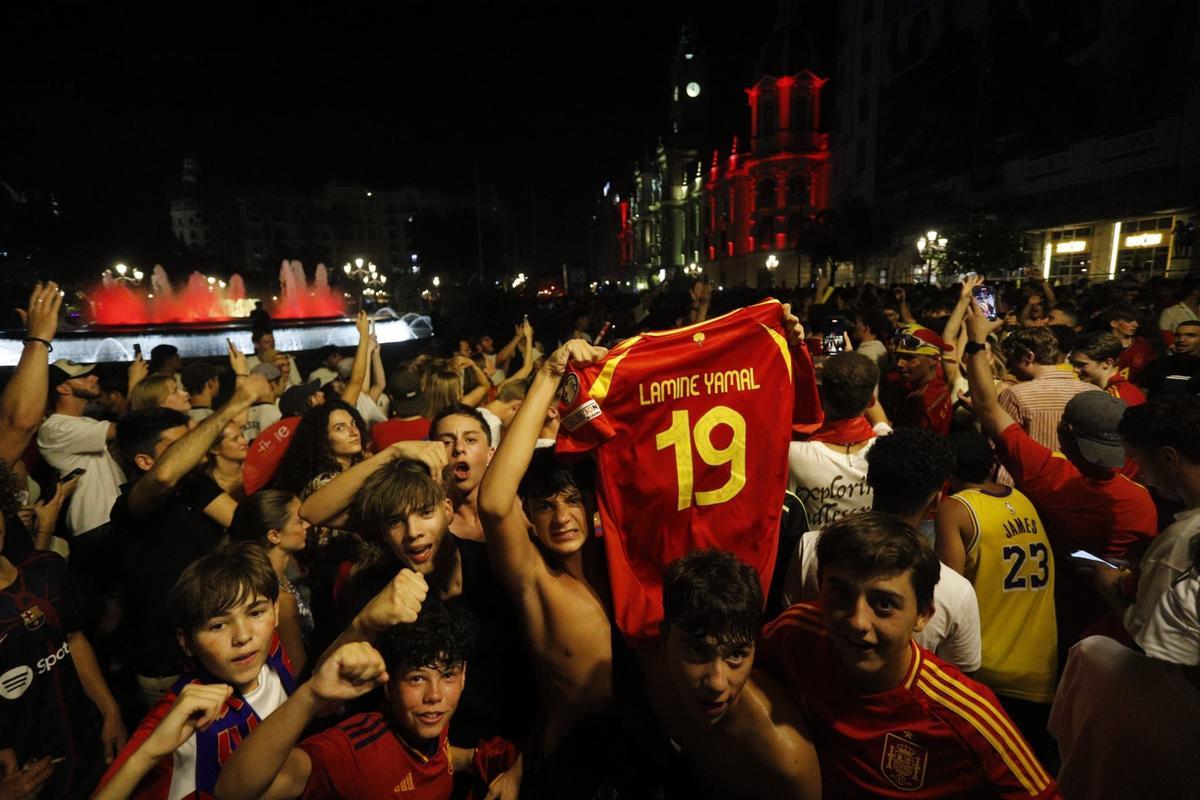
(937, 734)
(1135, 358)
(1120, 387)
(363, 757)
(398, 430)
(1104, 513)
(695, 425)
(931, 407)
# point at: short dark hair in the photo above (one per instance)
(1065, 336)
(1040, 342)
(848, 382)
(1099, 346)
(906, 467)
(973, 456)
(459, 410)
(1069, 309)
(259, 332)
(713, 593)
(547, 476)
(139, 431)
(512, 390)
(1122, 311)
(265, 510)
(391, 493)
(874, 320)
(875, 543)
(1192, 323)
(1165, 420)
(440, 637)
(220, 581)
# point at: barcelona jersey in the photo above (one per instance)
(691, 430)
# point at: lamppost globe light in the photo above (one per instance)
(138, 274)
(358, 262)
(221, 284)
(371, 267)
(121, 269)
(436, 281)
(921, 243)
(942, 242)
(211, 280)
(931, 236)
(346, 268)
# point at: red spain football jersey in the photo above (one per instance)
(691, 429)
(937, 734)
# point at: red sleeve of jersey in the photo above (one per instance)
(807, 414)
(334, 773)
(970, 709)
(783, 639)
(157, 782)
(583, 425)
(492, 758)
(1026, 460)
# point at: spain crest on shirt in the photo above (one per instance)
(903, 761)
(33, 617)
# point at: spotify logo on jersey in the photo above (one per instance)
(14, 682)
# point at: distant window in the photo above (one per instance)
(797, 190)
(766, 193)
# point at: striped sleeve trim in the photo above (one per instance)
(805, 617)
(971, 545)
(991, 724)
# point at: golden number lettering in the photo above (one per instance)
(734, 454)
(677, 436)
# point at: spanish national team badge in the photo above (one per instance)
(33, 617)
(903, 762)
(570, 389)
(698, 338)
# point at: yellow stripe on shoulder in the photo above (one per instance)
(993, 726)
(603, 381)
(782, 344)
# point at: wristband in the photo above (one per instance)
(242, 374)
(49, 347)
(971, 348)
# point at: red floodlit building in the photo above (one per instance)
(739, 215)
(759, 199)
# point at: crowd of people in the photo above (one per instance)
(976, 573)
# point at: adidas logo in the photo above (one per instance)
(406, 785)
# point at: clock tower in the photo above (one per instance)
(689, 90)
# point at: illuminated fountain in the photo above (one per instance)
(207, 299)
(200, 317)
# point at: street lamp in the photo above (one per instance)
(436, 281)
(124, 275)
(693, 270)
(932, 248)
(772, 262)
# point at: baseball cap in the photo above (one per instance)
(294, 402)
(404, 388)
(64, 369)
(198, 373)
(917, 340)
(1094, 417)
(268, 370)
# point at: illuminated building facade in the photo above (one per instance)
(740, 215)
(1077, 125)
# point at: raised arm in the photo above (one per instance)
(378, 380)
(526, 357)
(153, 488)
(329, 505)
(354, 384)
(479, 393)
(992, 418)
(23, 403)
(906, 315)
(509, 548)
(506, 352)
(268, 765)
(951, 359)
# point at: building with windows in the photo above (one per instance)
(740, 216)
(1076, 124)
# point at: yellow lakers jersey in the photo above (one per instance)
(1011, 565)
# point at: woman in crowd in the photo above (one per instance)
(158, 390)
(225, 459)
(271, 518)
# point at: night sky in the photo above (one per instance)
(552, 99)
